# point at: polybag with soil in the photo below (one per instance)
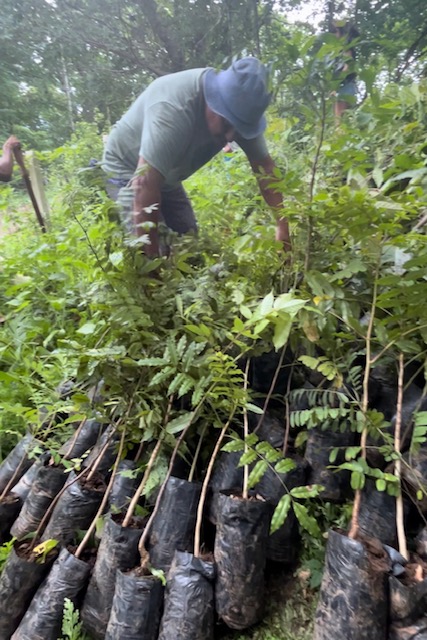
(189, 599)
(173, 525)
(23, 486)
(84, 438)
(319, 446)
(137, 607)
(104, 452)
(227, 475)
(17, 462)
(19, 581)
(10, 506)
(408, 607)
(282, 545)
(123, 486)
(47, 484)
(43, 619)
(75, 508)
(377, 515)
(118, 550)
(240, 556)
(353, 595)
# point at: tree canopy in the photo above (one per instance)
(85, 60)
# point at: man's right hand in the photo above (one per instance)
(11, 143)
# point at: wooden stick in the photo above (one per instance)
(20, 161)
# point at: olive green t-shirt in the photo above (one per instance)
(166, 125)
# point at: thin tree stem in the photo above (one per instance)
(245, 435)
(400, 525)
(196, 455)
(205, 487)
(354, 527)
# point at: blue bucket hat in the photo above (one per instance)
(240, 95)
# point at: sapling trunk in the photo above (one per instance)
(271, 389)
(98, 460)
(205, 487)
(400, 526)
(140, 489)
(287, 420)
(354, 527)
(74, 438)
(196, 455)
(312, 185)
(153, 457)
(245, 492)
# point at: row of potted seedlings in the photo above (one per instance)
(119, 586)
(369, 589)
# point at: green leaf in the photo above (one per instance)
(257, 473)
(381, 484)
(306, 521)
(116, 258)
(234, 445)
(247, 458)
(284, 466)
(180, 423)
(309, 491)
(280, 513)
(282, 330)
(87, 328)
(159, 574)
(267, 304)
(254, 408)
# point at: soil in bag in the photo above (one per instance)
(20, 579)
(17, 462)
(9, 509)
(137, 607)
(47, 484)
(173, 526)
(118, 550)
(319, 446)
(282, 545)
(75, 508)
(408, 602)
(43, 619)
(189, 599)
(353, 598)
(240, 556)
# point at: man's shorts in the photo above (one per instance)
(347, 92)
(177, 212)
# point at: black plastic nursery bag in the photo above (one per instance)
(189, 600)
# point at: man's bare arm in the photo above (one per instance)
(263, 169)
(147, 204)
(6, 161)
